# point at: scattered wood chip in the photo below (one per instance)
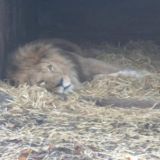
(25, 154)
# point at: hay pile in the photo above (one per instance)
(39, 125)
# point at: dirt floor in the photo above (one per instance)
(38, 125)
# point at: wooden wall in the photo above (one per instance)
(4, 31)
(100, 20)
(17, 26)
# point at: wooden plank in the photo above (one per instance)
(14, 30)
(2, 33)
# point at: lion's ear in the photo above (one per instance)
(51, 68)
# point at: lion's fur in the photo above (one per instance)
(31, 64)
(50, 61)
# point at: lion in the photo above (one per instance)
(54, 64)
(58, 66)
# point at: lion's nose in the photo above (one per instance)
(65, 86)
(65, 82)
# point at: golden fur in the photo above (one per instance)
(49, 62)
(57, 66)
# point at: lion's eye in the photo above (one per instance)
(41, 83)
(50, 68)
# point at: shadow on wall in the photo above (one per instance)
(94, 20)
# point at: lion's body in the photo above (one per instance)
(44, 61)
(58, 66)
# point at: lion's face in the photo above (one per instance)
(51, 77)
(45, 67)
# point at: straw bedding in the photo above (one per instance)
(38, 125)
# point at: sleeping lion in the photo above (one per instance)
(54, 64)
(57, 66)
